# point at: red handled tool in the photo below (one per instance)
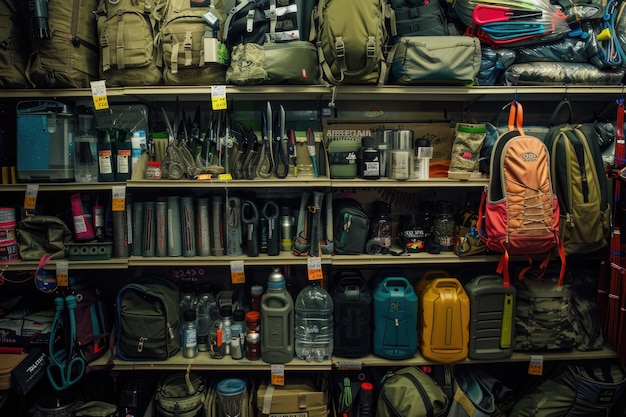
(485, 13)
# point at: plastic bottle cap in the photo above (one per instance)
(189, 315)
(154, 164)
(256, 289)
(231, 386)
(239, 315)
(253, 316)
(226, 311)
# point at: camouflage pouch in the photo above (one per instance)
(246, 65)
(545, 318)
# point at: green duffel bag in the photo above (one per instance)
(409, 392)
(38, 235)
(293, 62)
(449, 60)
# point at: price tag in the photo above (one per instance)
(99, 95)
(236, 272)
(30, 199)
(350, 365)
(535, 367)
(314, 268)
(278, 375)
(218, 97)
(119, 198)
(62, 274)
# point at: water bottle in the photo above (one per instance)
(277, 318)
(203, 318)
(314, 323)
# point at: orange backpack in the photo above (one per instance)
(519, 212)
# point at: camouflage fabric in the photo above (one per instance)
(584, 290)
(246, 65)
(545, 318)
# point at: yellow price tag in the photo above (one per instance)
(278, 375)
(100, 102)
(535, 367)
(314, 268)
(118, 198)
(99, 95)
(30, 198)
(237, 275)
(62, 275)
(218, 97)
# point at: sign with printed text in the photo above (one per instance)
(218, 97)
(99, 95)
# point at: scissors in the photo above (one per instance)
(280, 132)
(66, 366)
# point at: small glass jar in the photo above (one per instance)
(253, 346)
(153, 171)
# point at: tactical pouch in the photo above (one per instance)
(351, 226)
(342, 155)
(39, 235)
(180, 394)
(293, 62)
(451, 60)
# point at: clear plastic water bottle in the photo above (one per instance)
(314, 323)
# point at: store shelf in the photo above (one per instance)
(607, 352)
(284, 258)
(62, 186)
(289, 182)
(410, 258)
(390, 183)
(204, 362)
(113, 263)
(322, 92)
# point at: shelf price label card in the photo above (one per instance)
(237, 275)
(218, 97)
(535, 367)
(62, 274)
(278, 375)
(314, 268)
(99, 95)
(118, 198)
(30, 198)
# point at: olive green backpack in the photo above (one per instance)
(148, 320)
(191, 48)
(64, 48)
(15, 47)
(409, 392)
(352, 46)
(127, 29)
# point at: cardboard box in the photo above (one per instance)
(440, 134)
(298, 398)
